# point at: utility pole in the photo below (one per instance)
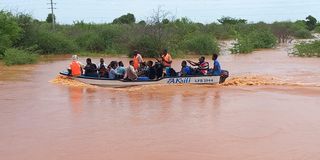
(52, 14)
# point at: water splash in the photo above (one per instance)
(64, 80)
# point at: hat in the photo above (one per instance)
(74, 57)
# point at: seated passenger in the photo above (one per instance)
(102, 68)
(216, 71)
(113, 72)
(159, 69)
(121, 70)
(131, 73)
(185, 69)
(151, 72)
(75, 67)
(90, 69)
(203, 66)
(142, 69)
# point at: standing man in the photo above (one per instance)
(137, 59)
(166, 61)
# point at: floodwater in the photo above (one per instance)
(269, 109)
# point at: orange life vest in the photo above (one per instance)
(167, 58)
(75, 68)
(136, 63)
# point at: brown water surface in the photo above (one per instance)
(269, 109)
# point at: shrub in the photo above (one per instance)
(17, 57)
(200, 44)
(307, 49)
(303, 34)
(243, 45)
(256, 39)
(9, 31)
(147, 45)
(52, 42)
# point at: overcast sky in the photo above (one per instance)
(205, 11)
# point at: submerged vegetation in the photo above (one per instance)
(124, 34)
(311, 49)
(16, 57)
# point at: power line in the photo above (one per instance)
(52, 14)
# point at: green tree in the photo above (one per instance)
(311, 22)
(231, 21)
(49, 18)
(125, 19)
(9, 31)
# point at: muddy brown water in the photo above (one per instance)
(269, 109)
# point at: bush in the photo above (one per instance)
(17, 57)
(51, 42)
(9, 31)
(303, 34)
(308, 49)
(147, 45)
(256, 39)
(200, 44)
(317, 29)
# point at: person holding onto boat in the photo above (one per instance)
(90, 69)
(166, 60)
(216, 71)
(131, 73)
(185, 69)
(202, 65)
(121, 70)
(137, 59)
(75, 67)
(102, 68)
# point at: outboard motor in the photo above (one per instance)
(224, 75)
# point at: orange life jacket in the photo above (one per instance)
(136, 63)
(167, 58)
(75, 68)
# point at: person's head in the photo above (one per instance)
(136, 52)
(165, 51)
(88, 61)
(120, 63)
(101, 60)
(202, 59)
(131, 62)
(214, 56)
(183, 63)
(74, 57)
(113, 64)
(150, 63)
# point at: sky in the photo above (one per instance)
(204, 11)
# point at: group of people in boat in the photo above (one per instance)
(138, 69)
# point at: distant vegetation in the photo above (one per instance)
(124, 34)
(16, 57)
(311, 49)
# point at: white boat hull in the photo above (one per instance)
(165, 81)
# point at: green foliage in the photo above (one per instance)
(125, 19)
(200, 44)
(231, 21)
(303, 34)
(254, 40)
(147, 45)
(18, 57)
(311, 22)
(51, 42)
(9, 31)
(317, 29)
(50, 18)
(308, 49)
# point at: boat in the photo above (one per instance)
(106, 82)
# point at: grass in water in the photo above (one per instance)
(17, 57)
(308, 49)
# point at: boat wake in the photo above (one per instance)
(63, 80)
